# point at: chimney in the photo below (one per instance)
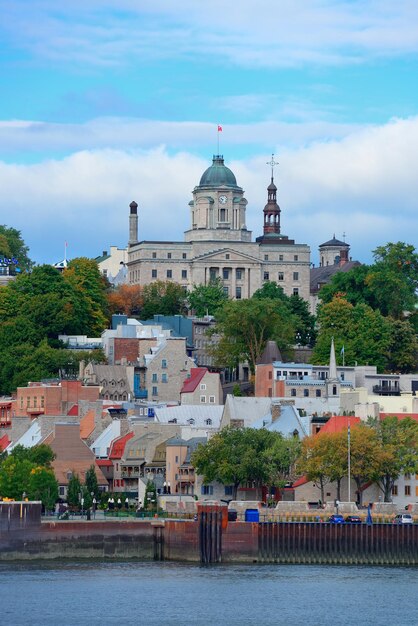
(133, 223)
(276, 411)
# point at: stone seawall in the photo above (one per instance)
(210, 539)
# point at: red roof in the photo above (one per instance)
(4, 442)
(300, 481)
(400, 416)
(73, 410)
(104, 463)
(118, 446)
(339, 423)
(196, 375)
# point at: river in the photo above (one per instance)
(172, 594)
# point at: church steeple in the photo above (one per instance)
(271, 210)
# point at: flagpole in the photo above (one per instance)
(349, 459)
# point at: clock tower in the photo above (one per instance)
(218, 206)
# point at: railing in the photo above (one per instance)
(386, 391)
(141, 393)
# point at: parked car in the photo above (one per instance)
(336, 519)
(353, 519)
(403, 518)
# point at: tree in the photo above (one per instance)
(207, 299)
(245, 326)
(364, 333)
(163, 298)
(13, 246)
(235, 456)
(91, 486)
(14, 477)
(43, 486)
(398, 442)
(316, 460)
(150, 497)
(403, 347)
(365, 456)
(126, 299)
(89, 288)
(73, 491)
(389, 285)
(298, 308)
(41, 455)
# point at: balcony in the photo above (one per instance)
(384, 390)
(141, 394)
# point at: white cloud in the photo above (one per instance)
(364, 184)
(270, 33)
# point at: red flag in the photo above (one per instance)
(219, 129)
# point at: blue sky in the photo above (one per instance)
(106, 101)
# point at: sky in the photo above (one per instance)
(107, 101)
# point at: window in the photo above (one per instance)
(203, 387)
(202, 399)
(154, 255)
(222, 215)
(155, 391)
(295, 291)
(407, 476)
(164, 378)
(211, 400)
(153, 273)
(206, 490)
(266, 257)
(293, 392)
(42, 401)
(62, 491)
(407, 490)
(229, 490)
(184, 273)
(227, 256)
(168, 255)
(334, 390)
(239, 274)
(164, 364)
(296, 258)
(155, 378)
(225, 273)
(238, 293)
(226, 291)
(281, 275)
(280, 257)
(306, 393)
(266, 276)
(35, 402)
(395, 490)
(184, 255)
(295, 275)
(169, 273)
(318, 393)
(270, 375)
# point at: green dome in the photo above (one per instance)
(218, 174)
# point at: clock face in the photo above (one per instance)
(223, 199)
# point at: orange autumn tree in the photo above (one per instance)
(125, 299)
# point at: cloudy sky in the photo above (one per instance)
(107, 101)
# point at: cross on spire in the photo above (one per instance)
(272, 163)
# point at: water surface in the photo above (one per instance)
(231, 595)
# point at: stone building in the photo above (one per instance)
(218, 243)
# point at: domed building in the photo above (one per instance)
(218, 243)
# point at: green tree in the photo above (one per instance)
(92, 486)
(315, 460)
(364, 333)
(73, 491)
(245, 326)
(298, 308)
(235, 456)
(365, 456)
(403, 347)
(163, 298)
(398, 451)
(89, 288)
(14, 477)
(207, 299)
(41, 455)
(150, 498)
(43, 486)
(13, 246)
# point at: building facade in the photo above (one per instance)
(218, 244)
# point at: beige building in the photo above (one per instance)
(202, 387)
(218, 243)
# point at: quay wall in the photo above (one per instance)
(210, 539)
